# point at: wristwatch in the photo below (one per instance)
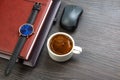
(25, 31)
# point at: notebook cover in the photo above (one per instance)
(12, 15)
(43, 34)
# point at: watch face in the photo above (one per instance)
(26, 29)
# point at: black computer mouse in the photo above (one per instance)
(70, 17)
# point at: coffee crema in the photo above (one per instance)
(61, 44)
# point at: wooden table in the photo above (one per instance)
(98, 33)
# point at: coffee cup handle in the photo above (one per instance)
(77, 50)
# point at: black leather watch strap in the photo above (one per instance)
(17, 49)
(34, 13)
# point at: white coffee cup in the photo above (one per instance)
(64, 57)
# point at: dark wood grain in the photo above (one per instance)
(98, 34)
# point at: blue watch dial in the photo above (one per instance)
(26, 29)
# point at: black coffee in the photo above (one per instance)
(61, 44)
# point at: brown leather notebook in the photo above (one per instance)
(12, 15)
